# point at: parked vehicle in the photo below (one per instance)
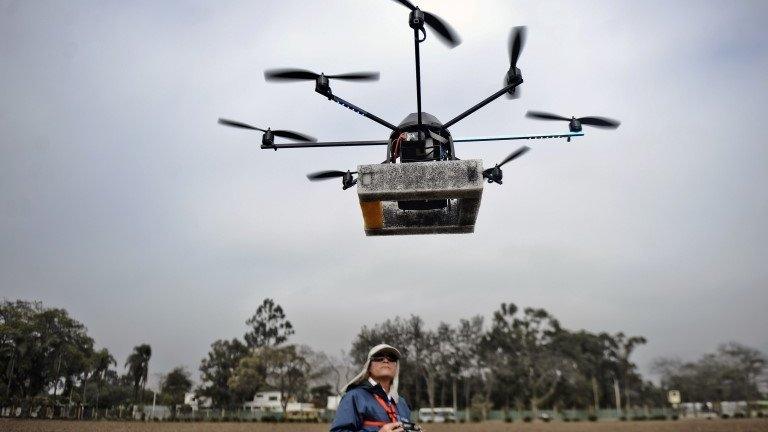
(438, 415)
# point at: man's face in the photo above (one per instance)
(383, 366)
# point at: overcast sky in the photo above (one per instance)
(124, 202)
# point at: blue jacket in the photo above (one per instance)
(359, 404)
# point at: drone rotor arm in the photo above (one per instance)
(360, 111)
(483, 103)
(327, 144)
(518, 137)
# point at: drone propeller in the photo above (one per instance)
(296, 136)
(444, 31)
(325, 175)
(494, 174)
(575, 123)
(516, 43)
(347, 180)
(292, 74)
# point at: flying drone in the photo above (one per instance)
(422, 187)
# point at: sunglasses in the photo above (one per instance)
(380, 359)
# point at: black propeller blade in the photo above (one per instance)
(278, 133)
(601, 122)
(514, 155)
(545, 116)
(292, 74)
(407, 4)
(444, 31)
(516, 43)
(347, 179)
(494, 175)
(325, 175)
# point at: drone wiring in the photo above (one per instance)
(396, 146)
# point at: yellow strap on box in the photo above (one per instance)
(373, 215)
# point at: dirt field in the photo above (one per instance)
(751, 425)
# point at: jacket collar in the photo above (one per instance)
(376, 388)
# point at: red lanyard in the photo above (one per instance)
(391, 409)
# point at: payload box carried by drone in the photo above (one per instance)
(430, 190)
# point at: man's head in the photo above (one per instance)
(383, 363)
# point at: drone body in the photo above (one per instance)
(420, 197)
(422, 186)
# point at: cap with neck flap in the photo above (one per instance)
(380, 349)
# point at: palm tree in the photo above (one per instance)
(102, 360)
(138, 368)
(625, 347)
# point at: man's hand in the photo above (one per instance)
(392, 427)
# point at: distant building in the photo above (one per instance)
(731, 408)
(265, 401)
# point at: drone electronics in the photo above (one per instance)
(421, 187)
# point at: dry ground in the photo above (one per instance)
(744, 425)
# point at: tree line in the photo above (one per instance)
(51, 363)
(733, 372)
(521, 359)
(524, 360)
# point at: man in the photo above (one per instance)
(370, 401)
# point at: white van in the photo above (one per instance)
(438, 415)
